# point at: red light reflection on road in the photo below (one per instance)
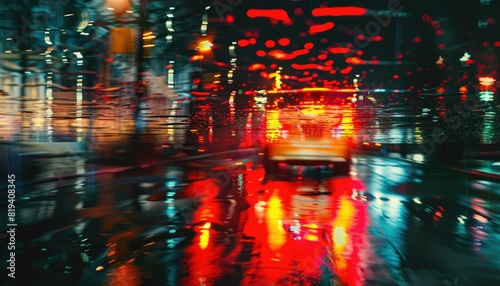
(205, 258)
(339, 11)
(125, 275)
(349, 241)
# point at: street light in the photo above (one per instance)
(205, 46)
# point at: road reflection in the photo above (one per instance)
(198, 219)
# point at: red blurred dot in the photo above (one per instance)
(333, 71)
(252, 41)
(395, 76)
(361, 37)
(284, 41)
(229, 19)
(308, 46)
(360, 53)
(273, 66)
(486, 44)
(417, 39)
(497, 44)
(314, 75)
(243, 43)
(321, 57)
(270, 43)
(400, 56)
(260, 53)
(329, 63)
(306, 73)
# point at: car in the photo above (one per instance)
(302, 129)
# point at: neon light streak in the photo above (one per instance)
(339, 11)
(314, 29)
(278, 14)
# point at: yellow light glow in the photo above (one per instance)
(315, 89)
(339, 236)
(274, 215)
(204, 238)
(205, 46)
(314, 110)
(311, 237)
(486, 81)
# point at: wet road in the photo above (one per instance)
(211, 221)
(203, 216)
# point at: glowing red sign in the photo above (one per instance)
(304, 79)
(256, 66)
(270, 44)
(311, 66)
(339, 50)
(243, 43)
(321, 57)
(308, 46)
(320, 28)
(261, 53)
(346, 70)
(284, 41)
(278, 14)
(280, 55)
(354, 61)
(339, 11)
